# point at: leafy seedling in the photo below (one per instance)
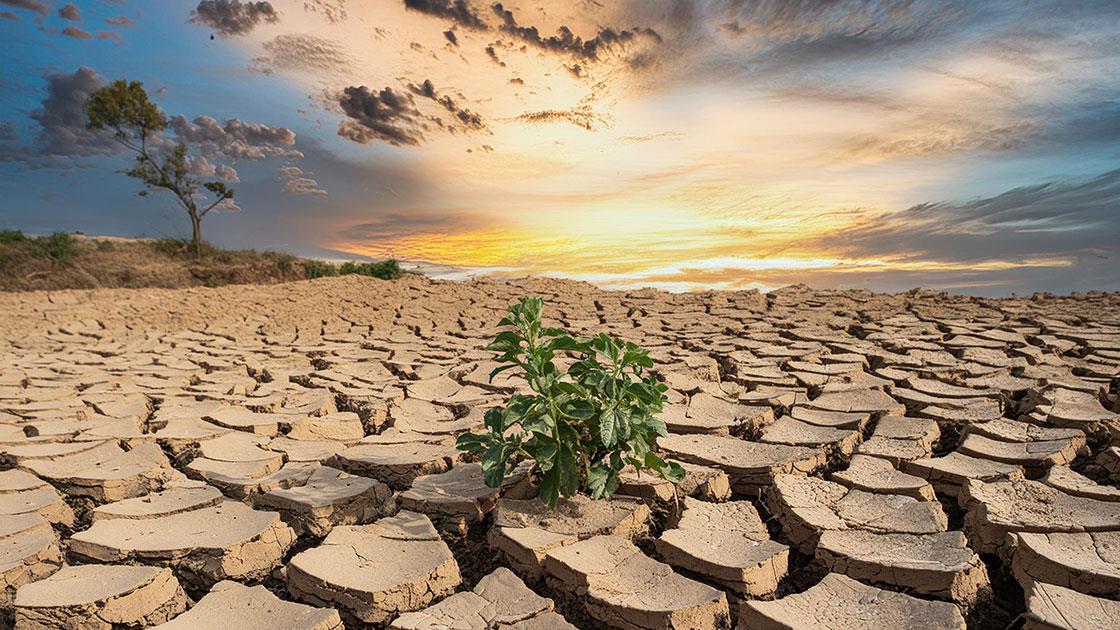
(581, 426)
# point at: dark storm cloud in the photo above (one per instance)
(301, 52)
(1052, 219)
(386, 115)
(232, 17)
(457, 11)
(566, 42)
(463, 117)
(30, 5)
(62, 117)
(70, 12)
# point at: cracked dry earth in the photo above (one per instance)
(282, 456)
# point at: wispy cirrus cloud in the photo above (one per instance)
(1052, 219)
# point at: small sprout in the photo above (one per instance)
(581, 426)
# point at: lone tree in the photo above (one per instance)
(124, 107)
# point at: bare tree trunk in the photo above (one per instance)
(196, 234)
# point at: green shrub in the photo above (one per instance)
(183, 248)
(580, 427)
(173, 247)
(318, 269)
(384, 269)
(285, 263)
(58, 246)
(106, 246)
(12, 236)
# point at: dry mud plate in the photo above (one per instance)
(283, 456)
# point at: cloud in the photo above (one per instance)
(202, 168)
(581, 116)
(232, 17)
(11, 149)
(566, 42)
(943, 136)
(392, 226)
(226, 173)
(30, 5)
(299, 182)
(123, 21)
(1092, 123)
(333, 10)
(62, 117)
(464, 117)
(1045, 220)
(301, 52)
(70, 12)
(385, 115)
(653, 136)
(457, 11)
(804, 20)
(493, 55)
(235, 139)
(8, 15)
(112, 36)
(76, 33)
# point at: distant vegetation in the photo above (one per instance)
(383, 269)
(65, 261)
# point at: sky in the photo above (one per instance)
(682, 144)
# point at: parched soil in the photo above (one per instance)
(283, 454)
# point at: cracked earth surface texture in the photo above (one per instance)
(283, 456)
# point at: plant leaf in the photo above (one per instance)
(578, 409)
(494, 465)
(602, 481)
(550, 487)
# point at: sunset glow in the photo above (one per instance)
(687, 145)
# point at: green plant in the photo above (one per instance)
(106, 246)
(384, 269)
(12, 236)
(318, 269)
(580, 427)
(58, 245)
(285, 263)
